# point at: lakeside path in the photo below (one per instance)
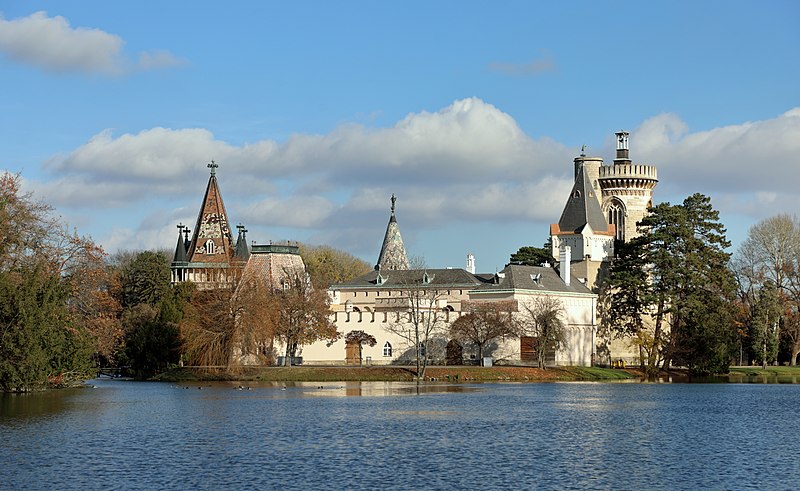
(466, 374)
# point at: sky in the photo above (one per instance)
(317, 112)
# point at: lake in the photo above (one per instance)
(135, 435)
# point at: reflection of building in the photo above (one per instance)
(379, 302)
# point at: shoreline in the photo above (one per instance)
(468, 374)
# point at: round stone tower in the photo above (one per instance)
(627, 190)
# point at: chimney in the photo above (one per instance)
(470, 263)
(564, 263)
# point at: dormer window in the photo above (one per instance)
(426, 278)
(537, 278)
(576, 194)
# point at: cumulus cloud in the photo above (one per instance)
(752, 157)
(51, 43)
(466, 164)
(469, 141)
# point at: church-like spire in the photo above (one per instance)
(393, 253)
(180, 248)
(242, 251)
(212, 241)
(582, 207)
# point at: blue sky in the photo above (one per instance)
(471, 112)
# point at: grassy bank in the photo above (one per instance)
(395, 374)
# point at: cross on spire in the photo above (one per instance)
(394, 199)
(213, 166)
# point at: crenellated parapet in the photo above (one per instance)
(629, 179)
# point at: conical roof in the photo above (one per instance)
(212, 241)
(180, 248)
(582, 208)
(242, 250)
(393, 253)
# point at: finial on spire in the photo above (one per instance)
(213, 166)
(181, 226)
(394, 199)
(583, 150)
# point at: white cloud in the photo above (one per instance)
(751, 157)
(51, 43)
(466, 165)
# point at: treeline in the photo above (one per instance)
(683, 300)
(67, 309)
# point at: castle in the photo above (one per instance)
(604, 205)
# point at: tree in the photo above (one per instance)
(533, 256)
(770, 256)
(627, 299)
(360, 338)
(326, 265)
(542, 319)
(421, 319)
(145, 279)
(43, 339)
(152, 341)
(678, 267)
(40, 344)
(301, 315)
(485, 323)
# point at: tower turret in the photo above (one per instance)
(393, 253)
(627, 190)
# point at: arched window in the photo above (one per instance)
(387, 349)
(616, 216)
(209, 246)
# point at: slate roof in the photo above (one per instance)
(180, 248)
(393, 253)
(536, 278)
(582, 208)
(399, 279)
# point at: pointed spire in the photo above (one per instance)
(393, 253)
(212, 241)
(582, 207)
(242, 251)
(180, 248)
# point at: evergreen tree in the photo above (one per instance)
(533, 256)
(675, 276)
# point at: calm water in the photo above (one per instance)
(128, 435)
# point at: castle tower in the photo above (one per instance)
(627, 190)
(393, 253)
(207, 256)
(583, 230)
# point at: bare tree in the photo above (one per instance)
(542, 319)
(420, 318)
(770, 256)
(302, 315)
(486, 322)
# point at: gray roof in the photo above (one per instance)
(393, 253)
(399, 279)
(582, 208)
(537, 278)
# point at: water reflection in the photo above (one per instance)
(378, 435)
